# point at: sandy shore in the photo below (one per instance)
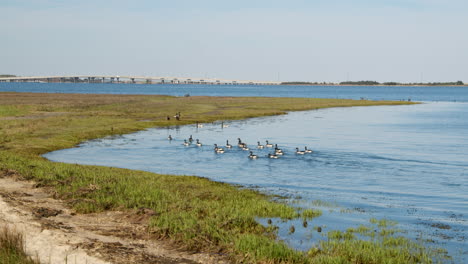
(55, 234)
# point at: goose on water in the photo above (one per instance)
(306, 150)
(252, 156)
(190, 139)
(278, 150)
(300, 152)
(169, 137)
(199, 144)
(186, 143)
(272, 156)
(259, 146)
(268, 145)
(228, 145)
(217, 149)
(240, 144)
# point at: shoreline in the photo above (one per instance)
(30, 166)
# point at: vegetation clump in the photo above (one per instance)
(12, 248)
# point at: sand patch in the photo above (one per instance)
(56, 234)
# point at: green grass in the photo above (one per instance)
(196, 213)
(377, 244)
(11, 110)
(12, 248)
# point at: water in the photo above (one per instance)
(404, 163)
(416, 93)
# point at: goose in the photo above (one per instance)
(186, 143)
(307, 150)
(198, 143)
(239, 143)
(245, 147)
(252, 156)
(190, 139)
(259, 146)
(268, 145)
(223, 125)
(272, 156)
(278, 151)
(199, 125)
(228, 145)
(218, 150)
(300, 152)
(169, 137)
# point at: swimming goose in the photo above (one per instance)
(186, 143)
(278, 151)
(268, 145)
(169, 137)
(245, 147)
(199, 144)
(228, 145)
(307, 150)
(239, 143)
(218, 150)
(190, 139)
(300, 152)
(272, 156)
(252, 156)
(259, 146)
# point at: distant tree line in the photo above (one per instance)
(360, 83)
(306, 83)
(6, 75)
(428, 84)
(397, 83)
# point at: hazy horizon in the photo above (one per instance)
(315, 41)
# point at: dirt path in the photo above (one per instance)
(55, 234)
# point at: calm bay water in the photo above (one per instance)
(404, 163)
(416, 93)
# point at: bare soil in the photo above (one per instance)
(54, 233)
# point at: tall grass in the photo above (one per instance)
(197, 213)
(12, 248)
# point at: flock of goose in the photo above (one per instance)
(277, 152)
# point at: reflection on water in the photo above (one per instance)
(405, 163)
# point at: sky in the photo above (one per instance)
(270, 40)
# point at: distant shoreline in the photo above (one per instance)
(378, 85)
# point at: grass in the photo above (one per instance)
(196, 213)
(12, 248)
(383, 245)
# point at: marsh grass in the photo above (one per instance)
(12, 248)
(196, 213)
(376, 244)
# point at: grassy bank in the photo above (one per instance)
(197, 213)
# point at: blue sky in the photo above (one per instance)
(334, 40)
